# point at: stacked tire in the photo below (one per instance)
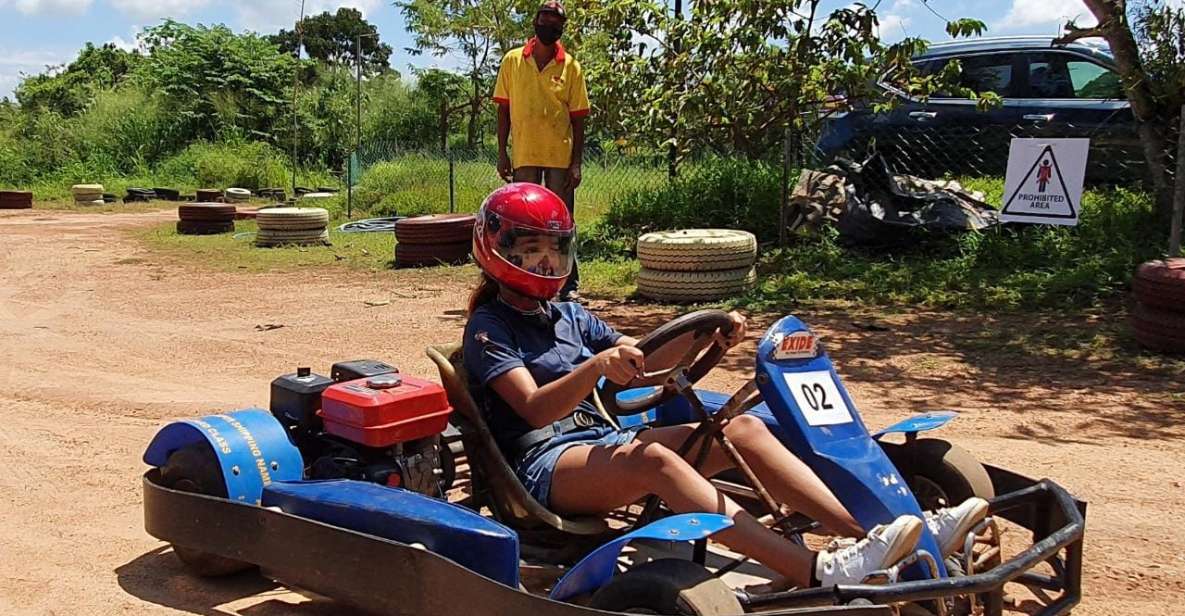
(87, 194)
(205, 218)
(237, 195)
(292, 226)
(696, 265)
(438, 239)
(209, 195)
(140, 195)
(15, 200)
(1158, 317)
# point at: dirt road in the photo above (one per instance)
(101, 342)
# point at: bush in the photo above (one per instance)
(216, 165)
(730, 194)
(1020, 266)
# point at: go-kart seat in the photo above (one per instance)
(506, 496)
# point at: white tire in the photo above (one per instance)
(697, 250)
(695, 286)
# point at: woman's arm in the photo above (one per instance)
(540, 406)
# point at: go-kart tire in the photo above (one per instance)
(1161, 284)
(682, 287)
(1159, 330)
(15, 200)
(431, 255)
(209, 195)
(668, 586)
(697, 250)
(940, 473)
(195, 469)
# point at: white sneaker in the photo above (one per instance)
(884, 547)
(951, 525)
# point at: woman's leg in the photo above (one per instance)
(594, 480)
(789, 480)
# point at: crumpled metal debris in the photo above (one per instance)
(871, 205)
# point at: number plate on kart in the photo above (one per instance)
(818, 396)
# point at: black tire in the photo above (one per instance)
(668, 586)
(195, 469)
(940, 473)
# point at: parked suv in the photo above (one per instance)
(1048, 91)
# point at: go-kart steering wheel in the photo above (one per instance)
(706, 327)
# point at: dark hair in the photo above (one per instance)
(484, 293)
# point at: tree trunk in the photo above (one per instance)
(474, 111)
(1114, 27)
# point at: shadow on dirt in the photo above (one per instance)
(1073, 378)
(158, 578)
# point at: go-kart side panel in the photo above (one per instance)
(475, 542)
(830, 437)
(374, 574)
(596, 569)
(252, 448)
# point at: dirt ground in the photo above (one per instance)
(101, 342)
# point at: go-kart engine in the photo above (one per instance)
(369, 423)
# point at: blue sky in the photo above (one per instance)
(38, 33)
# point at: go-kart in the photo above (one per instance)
(340, 489)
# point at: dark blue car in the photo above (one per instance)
(1048, 91)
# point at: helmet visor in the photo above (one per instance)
(545, 253)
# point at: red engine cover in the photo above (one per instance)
(414, 410)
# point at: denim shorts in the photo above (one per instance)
(536, 467)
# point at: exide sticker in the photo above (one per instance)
(799, 345)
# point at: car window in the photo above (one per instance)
(1093, 81)
(986, 73)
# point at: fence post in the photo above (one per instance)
(784, 206)
(452, 181)
(1178, 192)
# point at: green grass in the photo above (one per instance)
(236, 252)
(413, 185)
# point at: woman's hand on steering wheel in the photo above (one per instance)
(737, 335)
(621, 364)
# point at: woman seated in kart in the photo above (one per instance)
(534, 363)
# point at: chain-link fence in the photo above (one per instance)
(980, 150)
(388, 179)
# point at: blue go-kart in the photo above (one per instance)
(342, 489)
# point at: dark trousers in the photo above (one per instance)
(556, 181)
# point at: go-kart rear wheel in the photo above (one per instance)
(940, 473)
(195, 469)
(668, 586)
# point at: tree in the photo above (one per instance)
(1151, 62)
(733, 74)
(69, 90)
(220, 84)
(333, 38)
(482, 31)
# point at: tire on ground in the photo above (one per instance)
(1159, 330)
(1161, 284)
(940, 473)
(668, 586)
(695, 250)
(695, 286)
(431, 255)
(16, 200)
(195, 469)
(435, 228)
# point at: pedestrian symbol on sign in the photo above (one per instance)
(1044, 183)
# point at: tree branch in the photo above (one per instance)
(1076, 33)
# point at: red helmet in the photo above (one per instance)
(524, 239)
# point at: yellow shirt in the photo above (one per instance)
(542, 105)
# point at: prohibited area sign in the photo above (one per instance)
(1044, 183)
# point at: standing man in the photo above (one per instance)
(542, 106)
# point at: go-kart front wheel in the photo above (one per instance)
(940, 473)
(195, 469)
(668, 586)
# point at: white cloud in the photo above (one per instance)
(267, 15)
(16, 65)
(893, 27)
(29, 7)
(158, 9)
(1049, 14)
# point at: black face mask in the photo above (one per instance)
(548, 35)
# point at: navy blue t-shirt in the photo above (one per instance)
(500, 338)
